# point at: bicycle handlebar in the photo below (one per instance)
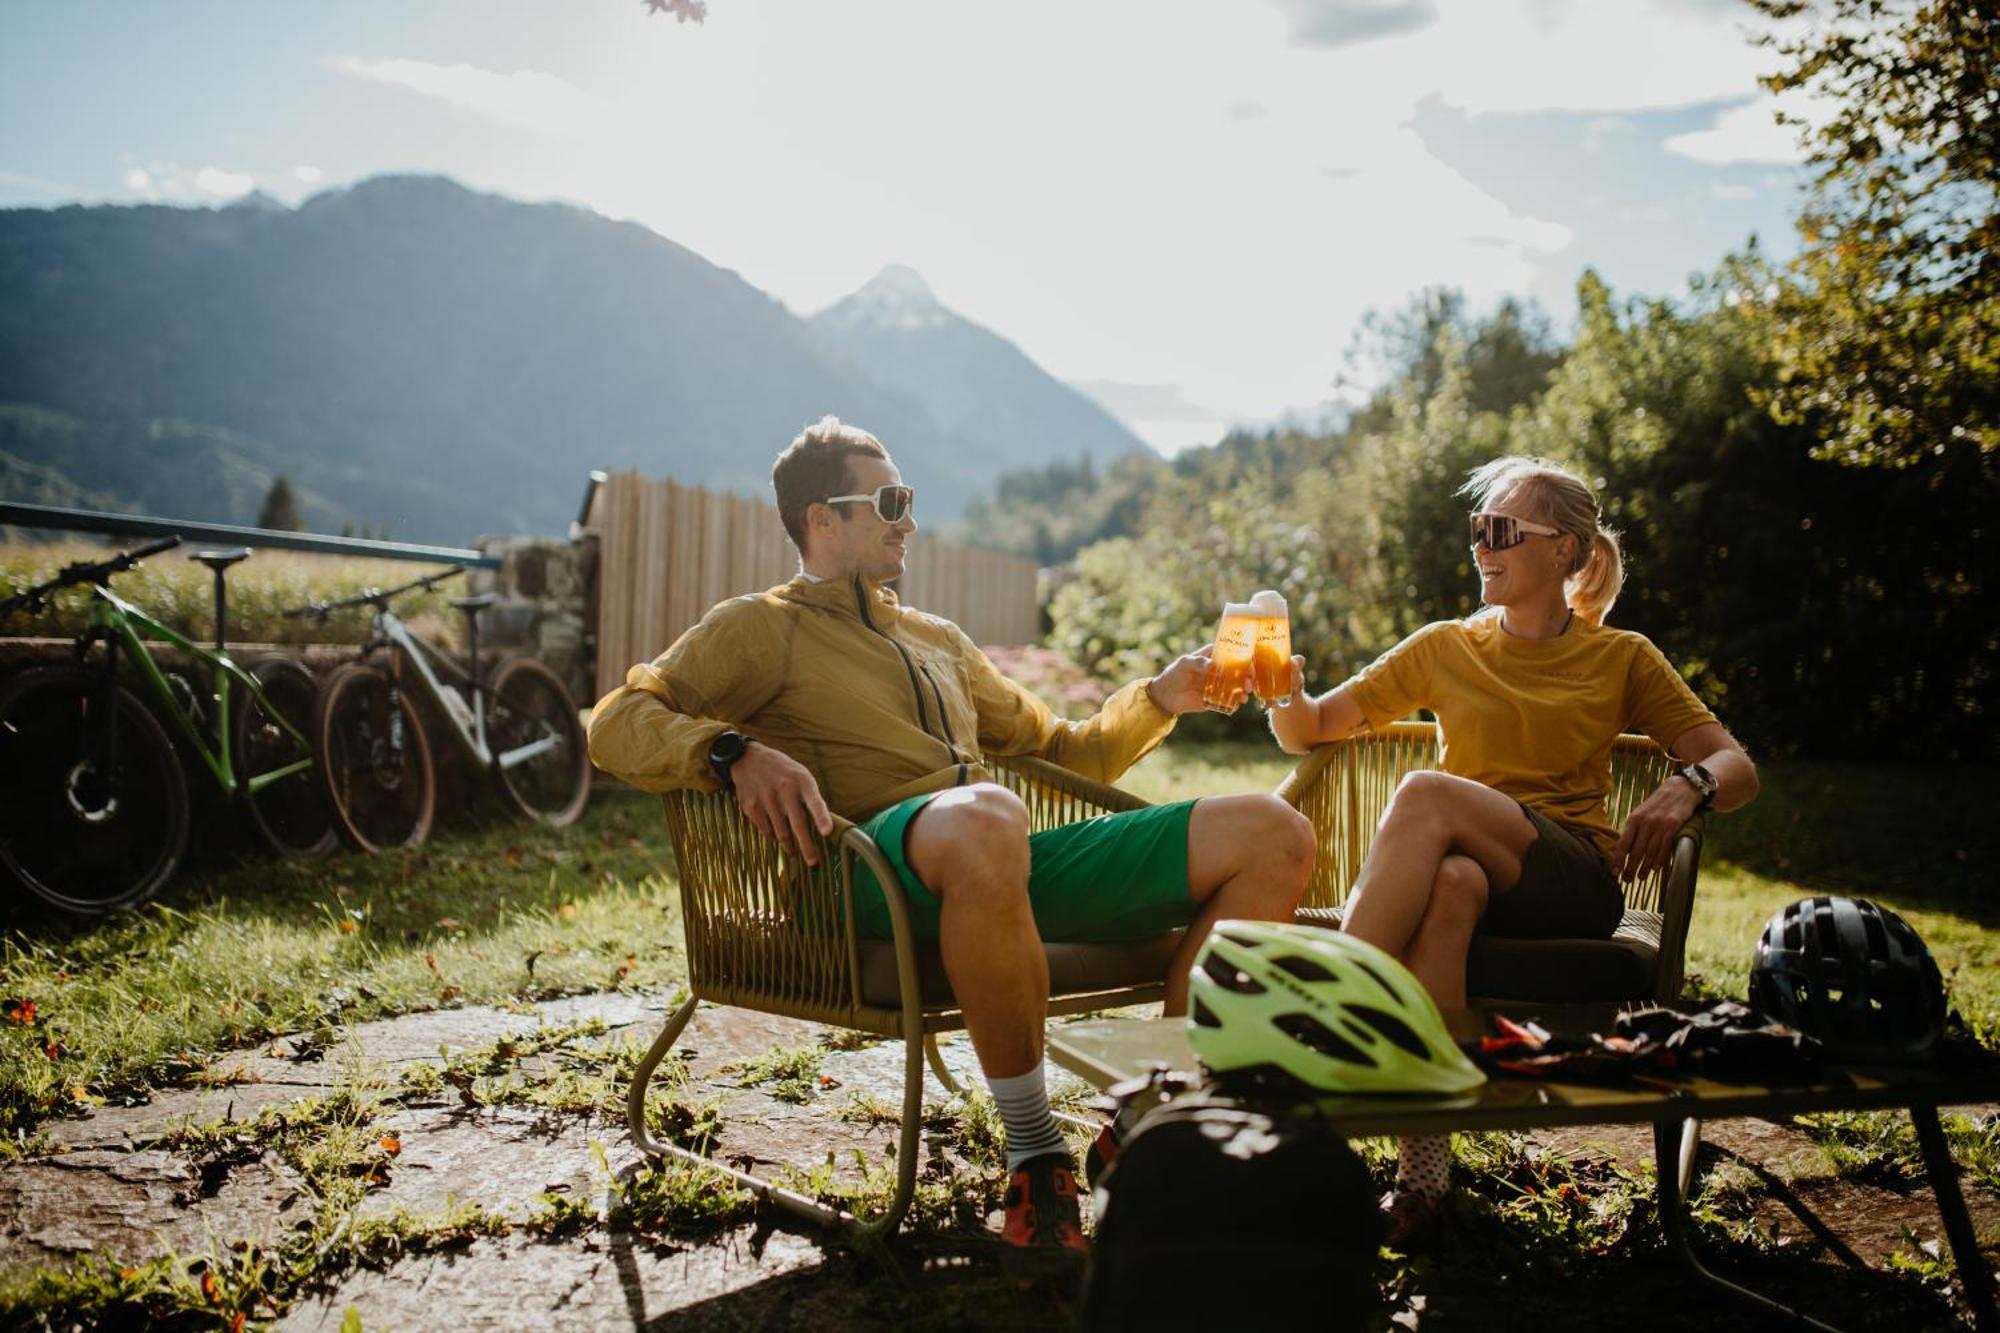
(378, 597)
(84, 571)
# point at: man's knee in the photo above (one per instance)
(969, 831)
(1276, 844)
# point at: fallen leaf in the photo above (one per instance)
(448, 994)
(828, 1081)
(430, 961)
(211, 1288)
(19, 1011)
(53, 1050)
(78, 1093)
(347, 926)
(567, 911)
(127, 1274)
(390, 1144)
(236, 1324)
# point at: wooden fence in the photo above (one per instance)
(667, 553)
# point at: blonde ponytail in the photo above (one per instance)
(1560, 498)
(1593, 587)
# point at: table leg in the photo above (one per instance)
(1668, 1139)
(1943, 1172)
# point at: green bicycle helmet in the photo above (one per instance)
(1298, 1009)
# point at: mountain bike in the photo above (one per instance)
(516, 721)
(93, 799)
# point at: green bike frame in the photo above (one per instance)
(113, 619)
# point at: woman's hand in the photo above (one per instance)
(1648, 838)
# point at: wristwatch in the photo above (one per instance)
(1702, 781)
(723, 752)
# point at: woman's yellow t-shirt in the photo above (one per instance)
(1533, 718)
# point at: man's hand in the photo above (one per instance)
(1649, 830)
(779, 795)
(1178, 689)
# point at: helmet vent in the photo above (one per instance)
(1393, 1028)
(1226, 975)
(1878, 938)
(1377, 978)
(1309, 1031)
(1204, 1017)
(1305, 969)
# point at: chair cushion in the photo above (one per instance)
(1620, 968)
(1074, 969)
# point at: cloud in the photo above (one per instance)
(1732, 192)
(307, 175)
(37, 185)
(526, 99)
(1599, 128)
(1349, 22)
(1746, 132)
(175, 183)
(1245, 109)
(1642, 214)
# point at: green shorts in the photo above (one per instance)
(1098, 881)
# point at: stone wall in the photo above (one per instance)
(544, 586)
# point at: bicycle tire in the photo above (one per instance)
(83, 841)
(379, 779)
(526, 702)
(291, 815)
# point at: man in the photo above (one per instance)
(827, 694)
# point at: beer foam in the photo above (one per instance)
(1268, 603)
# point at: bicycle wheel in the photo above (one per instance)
(93, 817)
(291, 814)
(526, 705)
(375, 760)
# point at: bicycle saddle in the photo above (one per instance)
(473, 605)
(221, 559)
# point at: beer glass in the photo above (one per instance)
(1253, 652)
(1271, 656)
(1229, 666)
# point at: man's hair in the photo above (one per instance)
(813, 467)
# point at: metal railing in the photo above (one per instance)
(118, 525)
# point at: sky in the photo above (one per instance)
(1184, 208)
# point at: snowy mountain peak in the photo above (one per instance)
(896, 298)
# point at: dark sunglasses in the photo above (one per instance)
(1497, 532)
(891, 502)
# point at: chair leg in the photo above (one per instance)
(938, 1066)
(811, 1210)
(1673, 1154)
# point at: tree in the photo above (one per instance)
(281, 509)
(1889, 325)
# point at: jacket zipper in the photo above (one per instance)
(944, 719)
(909, 664)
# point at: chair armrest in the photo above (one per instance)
(1677, 889)
(1054, 795)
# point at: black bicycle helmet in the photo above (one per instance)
(1853, 975)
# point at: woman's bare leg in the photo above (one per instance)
(1437, 951)
(1432, 816)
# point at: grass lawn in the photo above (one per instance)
(243, 948)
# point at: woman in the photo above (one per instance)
(1511, 835)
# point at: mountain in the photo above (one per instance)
(980, 387)
(419, 357)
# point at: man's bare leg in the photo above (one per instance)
(970, 847)
(1249, 857)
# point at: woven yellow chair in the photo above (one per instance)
(766, 932)
(1343, 788)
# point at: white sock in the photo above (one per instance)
(1423, 1165)
(1024, 1110)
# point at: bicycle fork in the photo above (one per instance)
(91, 785)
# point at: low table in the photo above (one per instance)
(1106, 1052)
